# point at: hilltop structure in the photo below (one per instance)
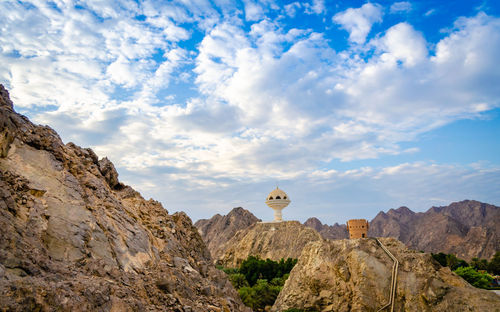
(277, 200)
(358, 228)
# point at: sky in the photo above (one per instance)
(351, 107)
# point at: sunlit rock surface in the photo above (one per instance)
(73, 238)
(355, 275)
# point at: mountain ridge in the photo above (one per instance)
(466, 228)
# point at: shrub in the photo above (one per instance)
(475, 278)
(260, 295)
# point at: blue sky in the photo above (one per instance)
(352, 107)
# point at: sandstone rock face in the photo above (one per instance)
(268, 240)
(355, 275)
(218, 230)
(73, 238)
(467, 228)
(336, 231)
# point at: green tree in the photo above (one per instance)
(238, 280)
(251, 280)
(454, 263)
(260, 295)
(476, 279)
(440, 257)
(494, 265)
(479, 264)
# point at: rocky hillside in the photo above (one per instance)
(218, 230)
(73, 238)
(267, 240)
(336, 231)
(467, 228)
(355, 275)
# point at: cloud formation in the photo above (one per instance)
(358, 22)
(211, 97)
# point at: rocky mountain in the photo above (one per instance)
(73, 238)
(336, 231)
(467, 228)
(267, 240)
(218, 230)
(355, 275)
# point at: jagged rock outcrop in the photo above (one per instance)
(73, 238)
(467, 229)
(336, 231)
(355, 275)
(268, 240)
(218, 230)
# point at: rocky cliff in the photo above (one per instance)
(267, 240)
(355, 275)
(467, 229)
(218, 230)
(73, 238)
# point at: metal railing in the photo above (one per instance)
(392, 297)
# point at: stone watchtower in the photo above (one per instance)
(358, 228)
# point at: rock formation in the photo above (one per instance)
(355, 275)
(467, 229)
(73, 238)
(267, 240)
(218, 230)
(336, 231)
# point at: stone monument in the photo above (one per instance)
(277, 200)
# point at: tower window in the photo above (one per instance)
(284, 197)
(271, 198)
(278, 197)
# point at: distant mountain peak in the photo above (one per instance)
(217, 230)
(314, 223)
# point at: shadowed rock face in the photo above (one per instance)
(467, 228)
(73, 238)
(355, 275)
(218, 230)
(336, 231)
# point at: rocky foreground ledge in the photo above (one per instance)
(73, 238)
(355, 275)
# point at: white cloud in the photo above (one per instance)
(264, 103)
(358, 22)
(316, 7)
(400, 7)
(253, 11)
(430, 12)
(402, 43)
(291, 9)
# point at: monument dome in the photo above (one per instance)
(277, 200)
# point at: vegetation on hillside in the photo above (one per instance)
(478, 272)
(259, 281)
